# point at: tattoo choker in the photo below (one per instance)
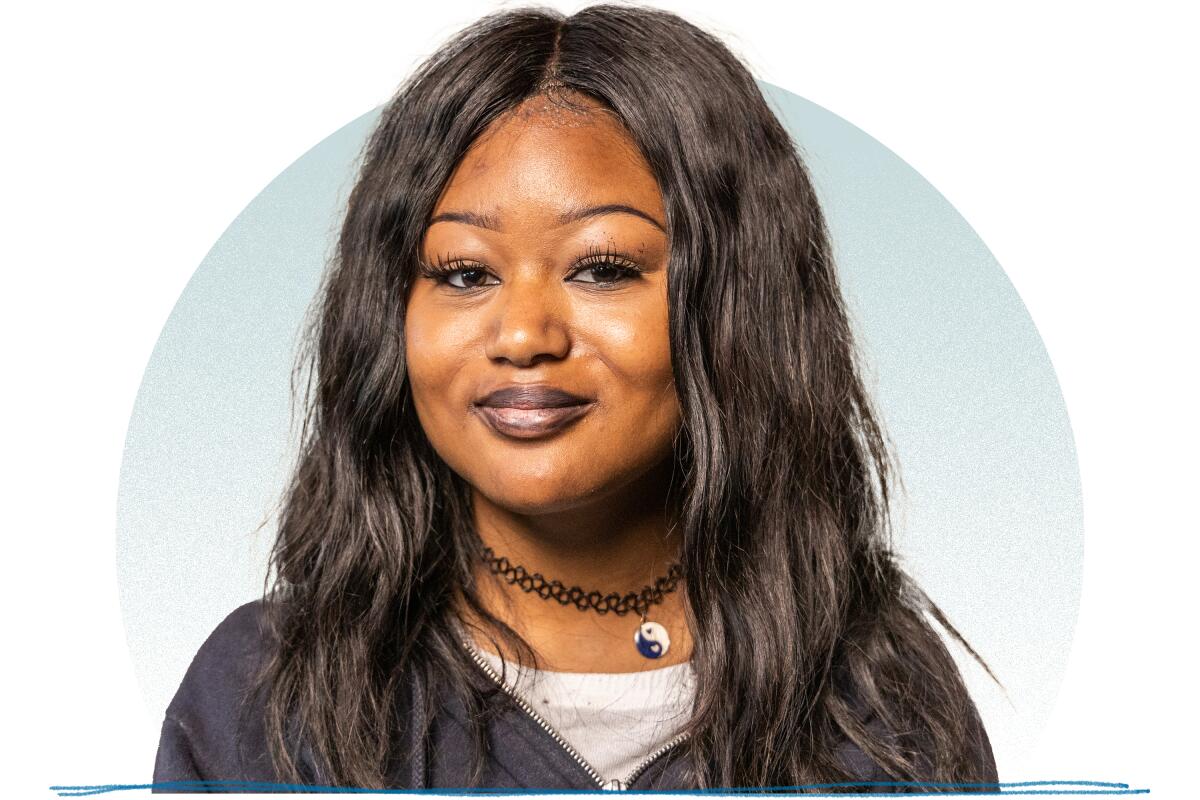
(650, 638)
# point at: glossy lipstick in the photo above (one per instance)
(530, 411)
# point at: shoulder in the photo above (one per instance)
(213, 726)
(226, 665)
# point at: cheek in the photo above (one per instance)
(636, 350)
(434, 351)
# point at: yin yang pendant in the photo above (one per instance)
(651, 639)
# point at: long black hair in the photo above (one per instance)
(784, 519)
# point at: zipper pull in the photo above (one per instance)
(615, 785)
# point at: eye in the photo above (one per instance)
(605, 269)
(457, 274)
(466, 277)
(605, 273)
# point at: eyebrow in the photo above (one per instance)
(490, 222)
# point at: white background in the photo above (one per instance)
(134, 134)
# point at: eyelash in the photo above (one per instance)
(594, 257)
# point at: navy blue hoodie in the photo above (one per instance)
(206, 737)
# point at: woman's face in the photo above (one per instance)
(539, 358)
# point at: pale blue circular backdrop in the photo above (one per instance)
(991, 524)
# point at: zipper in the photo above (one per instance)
(556, 736)
(647, 761)
(520, 701)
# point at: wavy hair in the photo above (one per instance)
(784, 520)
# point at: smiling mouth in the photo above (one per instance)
(531, 423)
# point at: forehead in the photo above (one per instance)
(542, 157)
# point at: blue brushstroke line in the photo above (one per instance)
(97, 789)
(1016, 784)
(993, 788)
(496, 793)
(1016, 788)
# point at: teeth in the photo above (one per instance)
(526, 416)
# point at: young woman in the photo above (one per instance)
(591, 492)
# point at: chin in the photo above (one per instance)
(536, 497)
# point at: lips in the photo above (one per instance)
(530, 411)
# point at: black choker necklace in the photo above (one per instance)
(651, 639)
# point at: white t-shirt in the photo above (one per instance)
(613, 719)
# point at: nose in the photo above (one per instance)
(530, 323)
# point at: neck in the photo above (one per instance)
(620, 545)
